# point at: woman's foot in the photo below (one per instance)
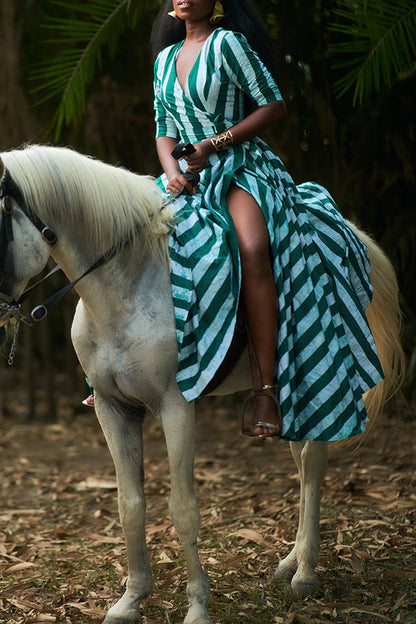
(267, 417)
(266, 422)
(89, 401)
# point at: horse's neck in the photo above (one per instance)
(116, 287)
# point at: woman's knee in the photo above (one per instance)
(255, 259)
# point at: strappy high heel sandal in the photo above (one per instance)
(270, 429)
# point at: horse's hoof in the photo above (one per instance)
(305, 587)
(197, 612)
(285, 571)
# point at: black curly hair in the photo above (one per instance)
(241, 16)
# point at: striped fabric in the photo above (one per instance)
(325, 355)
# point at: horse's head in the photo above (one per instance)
(25, 244)
(96, 211)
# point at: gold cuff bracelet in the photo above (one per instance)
(222, 141)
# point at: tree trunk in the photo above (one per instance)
(18, 124)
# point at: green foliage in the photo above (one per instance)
(86, 30)
(379, 46)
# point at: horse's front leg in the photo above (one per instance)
(288, 566)
(123, 431)
(312, 460)
(178, 420)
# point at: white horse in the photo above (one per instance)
(124, 336)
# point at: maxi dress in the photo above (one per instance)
(325, 353)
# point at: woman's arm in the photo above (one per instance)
(164, 146)
(263, 117)
(260, 119)
(176, 181)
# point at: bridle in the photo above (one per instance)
(9, 307)
(10, 193)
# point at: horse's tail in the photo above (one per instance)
(385, 320)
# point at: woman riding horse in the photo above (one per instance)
(248, 233)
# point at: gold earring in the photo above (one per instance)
(173, 14)
(218, 13)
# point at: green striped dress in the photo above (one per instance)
(325, 353)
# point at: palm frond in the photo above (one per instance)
(82, 39)
(379, 46)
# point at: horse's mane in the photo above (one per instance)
(103, 202)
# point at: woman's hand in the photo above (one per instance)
(198, 160)
(177, 183)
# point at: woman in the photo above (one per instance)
(247, 223)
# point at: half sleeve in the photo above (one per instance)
(245, 69)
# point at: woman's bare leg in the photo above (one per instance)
(259, 296)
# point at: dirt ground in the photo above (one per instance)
(62, 556)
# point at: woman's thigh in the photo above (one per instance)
(250, 226)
